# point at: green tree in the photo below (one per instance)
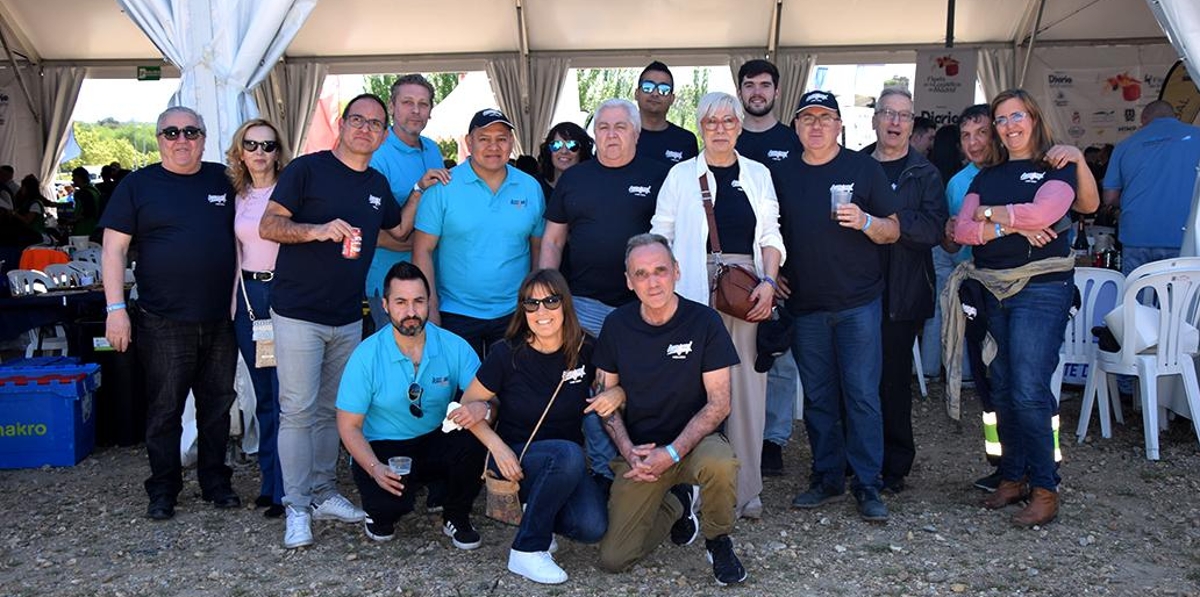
(599, 84)
(132, 144)
(449, 149)
(687, 98)
(443, 84)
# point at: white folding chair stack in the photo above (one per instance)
(1175, 284)
(89, 273)
(91, 255)
(24, 282)
(1079, 346)
(63, 274)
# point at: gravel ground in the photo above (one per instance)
(1127, 527)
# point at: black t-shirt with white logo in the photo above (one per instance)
(1016, 182)
(523, 381)
(603, 207)
(893, 169)
(182, 227)
(731, 209)
(670, 146)
(661, 367)
(313, 282)
(831, 268)
(774, 147)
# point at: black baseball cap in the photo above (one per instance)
(818, 99)
(487, 117)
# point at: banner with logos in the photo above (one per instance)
(945, 83)
(1094, 106)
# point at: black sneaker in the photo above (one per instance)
(816, 496)
(687, 528)
(772, 459)
(726, 565)
(378, 532)
(161, 509)
(223, 498)
(462, 533)
(990, 482)
(870, 507)
(893, 485)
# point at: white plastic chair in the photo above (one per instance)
(24, 282)
(1176, 287)
(63, 274)
(89, 273)
(1079, 345)
(91, 255)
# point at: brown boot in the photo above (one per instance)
(1009, 492)
(1042, 508)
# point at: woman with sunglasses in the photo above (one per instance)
(566, 144)
(255, 159)
(545, 354)
(1010, 215)
(746, 213)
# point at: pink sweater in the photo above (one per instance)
(1051, 201)
(258, 254)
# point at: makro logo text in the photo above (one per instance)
(22, 430)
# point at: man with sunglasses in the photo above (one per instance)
(596, 207)
(661, 140)
(181, 213)
(836, 299)
(323, 201)
(391, 402)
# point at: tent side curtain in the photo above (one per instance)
(504, 74)
(288, 98)
(59, 90)
(547, 76)
(794, 71)
(996, 70)
(1180, 19)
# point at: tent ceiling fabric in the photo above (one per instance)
(363, 28)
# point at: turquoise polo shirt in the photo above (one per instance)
(403, 166)
(483, 239)
(956, 191)
(376, 379)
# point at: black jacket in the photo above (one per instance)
(923, 213)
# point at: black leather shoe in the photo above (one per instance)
(160, 510)
(263, 501)
(274, 511)
(224, 499)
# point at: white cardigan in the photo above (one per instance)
(679, 216)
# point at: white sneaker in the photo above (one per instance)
(338, 508)
(299, 528)
(537, 566)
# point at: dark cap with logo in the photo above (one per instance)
(818, 99)
(487, 117)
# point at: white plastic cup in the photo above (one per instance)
(400, 465)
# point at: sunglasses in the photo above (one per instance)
(415, 391)
(190, 133)
(267, 146)
(661, 88)
(551, 303)
(1013, 118)
(557, 145)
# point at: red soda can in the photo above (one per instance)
(352, 244)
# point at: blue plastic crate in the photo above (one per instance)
(47, 413)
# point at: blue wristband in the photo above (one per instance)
(999, 231)
(114, 307)
(868, 224)
(671, 450)
(770, 281)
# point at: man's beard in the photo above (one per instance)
(409, 326)
(755, 112)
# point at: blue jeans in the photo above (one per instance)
(1028, 330)
(559, 496)
(598, 445)
(181, 356)
(266, 387)
(781, 400)
(310, 358)
(840, 356)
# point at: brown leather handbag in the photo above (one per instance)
(733, 284)
(503, 496)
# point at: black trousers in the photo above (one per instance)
(455, 457)
(895, 398)
(178, 357)
(479, 333)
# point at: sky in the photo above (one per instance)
(123, 99)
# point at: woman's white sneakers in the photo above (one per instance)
(538, 566)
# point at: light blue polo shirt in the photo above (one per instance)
(956, 191)
(376, 379)
(1155, 170)
(403, 166)
(483, 239)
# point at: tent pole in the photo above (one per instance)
(776, 20)
(949, 23)
(1032, 40)
(20, 78)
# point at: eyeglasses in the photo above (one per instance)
(415, 391)
(190, 133)
(825, 120)
(551, 303)
(1013, 118)
(894, 116)
(661, 88)
(372, 124)
(557, 145)
(711, 124)
(267, 146)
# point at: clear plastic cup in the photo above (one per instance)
(838, 195)
(401, 465)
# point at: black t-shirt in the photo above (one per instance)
(661, 367)
(1016, 182)
(670, 146)
(776, 146)
(313, 282)
(831, 268)
(182, 226)
(893, 169)
(603, 207)
(731, 209)
(524, 379)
